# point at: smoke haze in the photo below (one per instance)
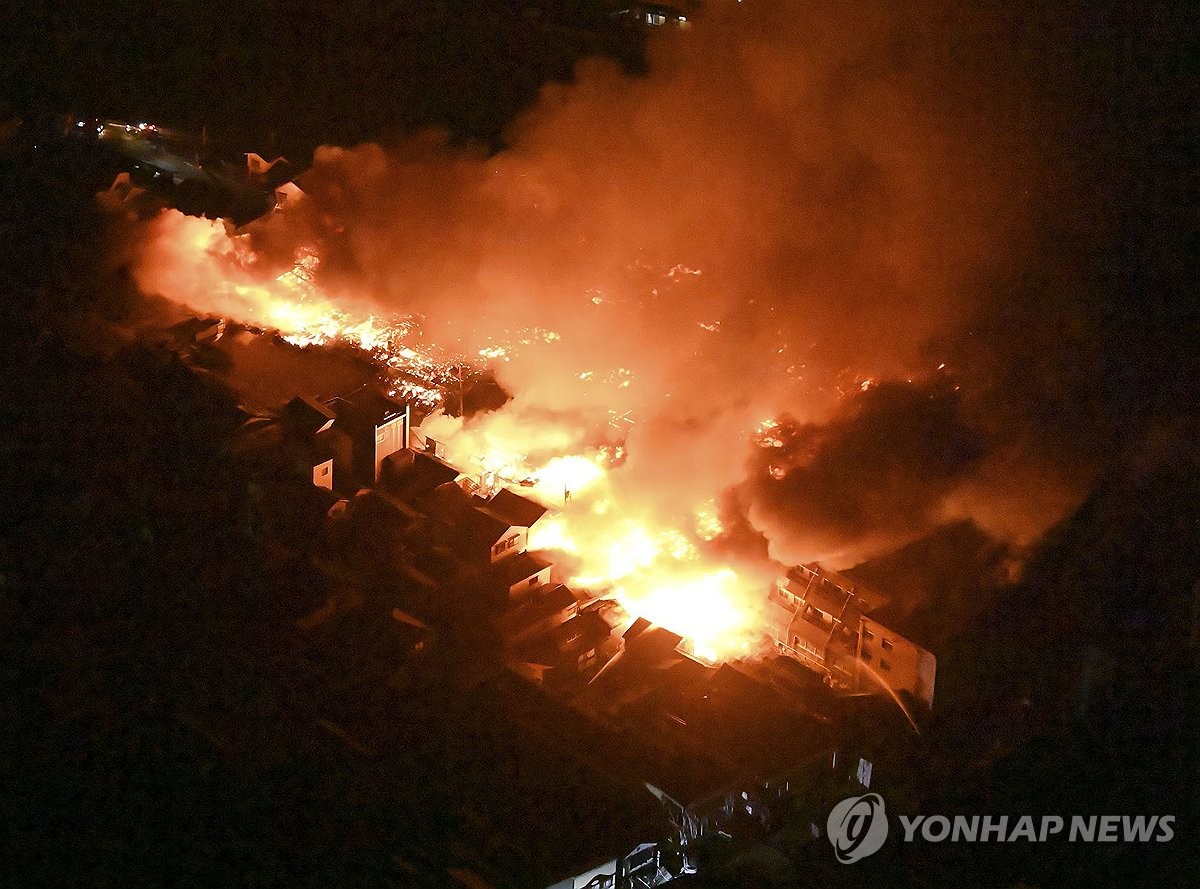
(802, 212)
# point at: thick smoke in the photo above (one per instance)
(798, 198)
(879, 469)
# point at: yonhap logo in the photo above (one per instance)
(857, 827)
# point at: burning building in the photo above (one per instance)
(743, 249)
(820, 618)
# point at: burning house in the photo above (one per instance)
(820, 618)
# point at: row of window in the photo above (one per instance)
(886, 644)
(505, 545)
(883, 665)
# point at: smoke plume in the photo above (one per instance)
(778, 222)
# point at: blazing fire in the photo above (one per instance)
(761, 228)
(622, 544)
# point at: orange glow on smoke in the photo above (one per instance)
(222, 271)
(653, 567)
(763, 226)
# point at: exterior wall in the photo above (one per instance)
(804, 639)
(514, 541)
(897, 662)
(861, 655)
(527, 585)
(391, 437)
(322, 475)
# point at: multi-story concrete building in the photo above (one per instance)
(820, 617)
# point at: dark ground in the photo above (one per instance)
(159, 706)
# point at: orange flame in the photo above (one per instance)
(653, 567)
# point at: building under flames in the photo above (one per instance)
(821, 618)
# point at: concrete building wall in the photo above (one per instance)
(897, 662)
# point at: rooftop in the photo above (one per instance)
(307, 416)
(535, 609)
(723, 726)
(415, 473)
(517, 568)
(365, 407)
(570, 639)
(514, 509)
(832, 591)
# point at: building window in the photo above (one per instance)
(868, 635)
(887, 645)
(884, 665)
(866, 654)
